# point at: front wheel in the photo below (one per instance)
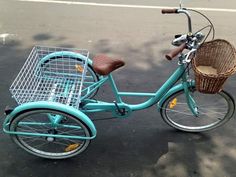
(39, 122)
(214, 110)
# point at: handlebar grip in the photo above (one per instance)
(175, 52)
(169, 11)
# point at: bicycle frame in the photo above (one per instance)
(167, 89)
(160, 95)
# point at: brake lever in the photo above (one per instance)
(187, 59)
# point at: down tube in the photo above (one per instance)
(164, 89)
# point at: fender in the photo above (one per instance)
(173, 90)
(50, 105)
(66, 54)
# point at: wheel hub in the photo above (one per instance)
(52, 132)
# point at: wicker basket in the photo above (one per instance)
(218, 54)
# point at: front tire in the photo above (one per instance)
(214, 111)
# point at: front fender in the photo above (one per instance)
(54, 106)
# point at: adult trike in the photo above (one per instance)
(56, 87)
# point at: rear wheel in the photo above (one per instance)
(38, 122)
(214, 110)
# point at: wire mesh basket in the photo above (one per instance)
(50, 74)
(214, 62)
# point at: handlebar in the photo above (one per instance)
(177, 11)
(183, 46)
(169, 11)
(175, 52)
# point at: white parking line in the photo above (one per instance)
(4, 36)
(125, 5)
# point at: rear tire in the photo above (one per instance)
(37, 121)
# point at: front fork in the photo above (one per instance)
(187, 83)
(190, 100)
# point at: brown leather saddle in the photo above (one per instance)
(104, 65)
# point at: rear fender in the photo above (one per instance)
(65, 54)
(52, 106)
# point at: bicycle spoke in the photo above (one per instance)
(32, 139)
(70, 131)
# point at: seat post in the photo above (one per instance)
(114, 88)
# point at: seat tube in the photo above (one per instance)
(114, 88)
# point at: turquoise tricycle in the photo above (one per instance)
(55, 89)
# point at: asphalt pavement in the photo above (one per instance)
(142, 145)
